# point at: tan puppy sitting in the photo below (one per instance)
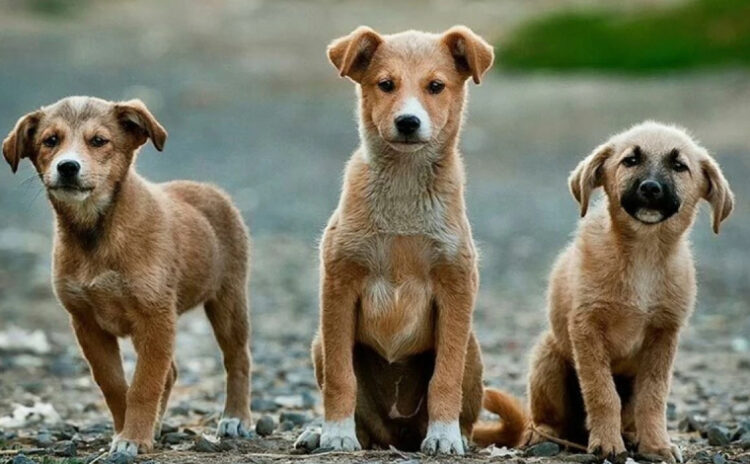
(131, 256)
(396, 356)
(618, 297)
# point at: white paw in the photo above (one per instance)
(120, 445)
(232, 427)
(676, 453)
(443, 438)
(340, 435)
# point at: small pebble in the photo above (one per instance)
(119, 458)
(173, 438)
(718, 458)
(286, 426)
(21, 459)
(582, 458)
(717, 435)
(263, 405)
(297, 418)
(689, 424)
(744, 441)
(66, 449)
(44, 439)
(204, 446)
(544, 449)
(265, 426)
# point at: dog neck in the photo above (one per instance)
(91, 222)
(412, 193)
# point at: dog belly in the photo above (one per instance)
(396, 320)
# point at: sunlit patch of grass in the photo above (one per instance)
(700, 33)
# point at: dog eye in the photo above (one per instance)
(678, 166)
(386, 85)
(98, 141)
(435, 87)
(631, 161)
(51, 141)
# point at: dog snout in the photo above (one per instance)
(650, 190)
(407, 124)
(68, 169)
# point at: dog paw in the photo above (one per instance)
(129, 447)
(670, 454)
(232, 427)
(339, 436)
(309, 440)
(611, 448)
(443, 438)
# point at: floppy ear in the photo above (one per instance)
(588, 175)
(352, 54)
(717, 193)
(473, 56)
(18, 144)
(135, 118)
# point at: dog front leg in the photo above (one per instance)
(602, 403)
(651, 391)
(455, 290)
(102, 352)
(338, 326)
(154, 340)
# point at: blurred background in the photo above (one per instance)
(252, 104)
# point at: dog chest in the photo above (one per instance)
(396, 299)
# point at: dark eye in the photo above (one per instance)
(435, 87)
(51, 141)
(386, 85)
(632, 160)
(98, 141)
(678, 166)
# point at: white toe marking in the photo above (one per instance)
(124, 446)
(340, 435)
(443, 438)
(232, 427)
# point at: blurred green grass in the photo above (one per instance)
(700, 33)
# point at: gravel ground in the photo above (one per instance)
(252, 105)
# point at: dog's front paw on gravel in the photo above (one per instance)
(129, 447)
(339, 436)
(670, 454)
(611, 448)
(443, 438)
(233, 427)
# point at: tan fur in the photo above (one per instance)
(134, 255)
(398, 263)
(618, 297)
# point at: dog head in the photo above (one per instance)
(654, 174)
(412, 84)
(82, 147)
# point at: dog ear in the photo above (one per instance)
(717, 193)
(135, 118)
(18, 144)
(473, 56)
(588, 175)
(352, 54)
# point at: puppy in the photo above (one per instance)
(396, 357)
(131, 256)
(618, 297)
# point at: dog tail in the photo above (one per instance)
(513, 423)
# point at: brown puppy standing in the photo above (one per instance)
(396, 357)
(618, 297)
(130, 256)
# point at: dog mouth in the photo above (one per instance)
(406, 145)
(70, 191)
(651, 213)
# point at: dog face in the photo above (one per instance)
(654, 174)
(411, 84)
(82, 147)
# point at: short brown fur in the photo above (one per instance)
(131, 256)
(399, 277)
(618, 297)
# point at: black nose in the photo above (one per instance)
(407, 124)
(68, 169)
(650, 190)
